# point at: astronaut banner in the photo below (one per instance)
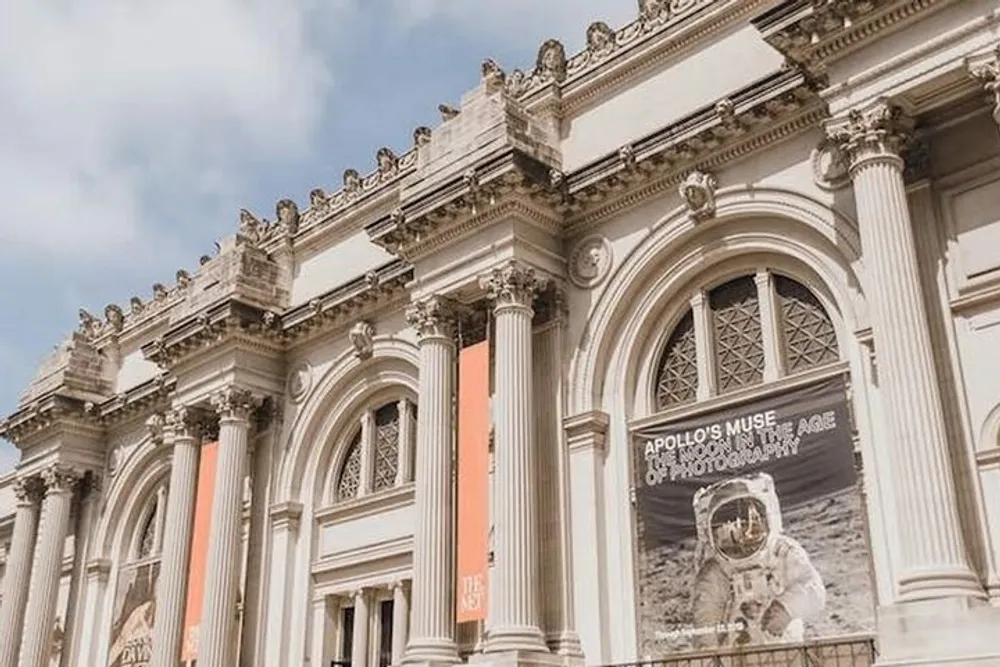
(750, 526)
(135, 607)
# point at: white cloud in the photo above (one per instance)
(110, 105)
(524, 22)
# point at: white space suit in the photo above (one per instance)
(753, 584)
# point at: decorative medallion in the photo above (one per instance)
(829, 166)
(299, 381)
(698, 192)
(362, 337)
(590, 262)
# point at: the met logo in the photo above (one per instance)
(472, 595)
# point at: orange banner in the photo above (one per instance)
(199, 552)
(473, 481)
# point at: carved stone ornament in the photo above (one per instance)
(287, 212)
(28, 490)
(986, 70)
(155, 424)
(600, 38)
(877, 132)
(352, 181)
(829, 166)
(590, 262)
(422, 136)
(512, 284)
(698, 192)
(653, 10)
(299, 381)
(58, 640)
(434, 317)
(361, 336)
(317, 198)
(233, 403)
(114, 316)
(60, 478)
(493, 77)
(387, 162)
(551, 62)
(447, 112)
(186, 422)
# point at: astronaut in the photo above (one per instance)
(753, 584)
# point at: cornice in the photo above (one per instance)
(813, 34)
(49, 412)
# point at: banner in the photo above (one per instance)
(473, 481)
(134, 614)
(200, 535)
(750, 526)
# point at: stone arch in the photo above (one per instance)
(317, 433)
(989, 433)
(129, 499)
(777, 222)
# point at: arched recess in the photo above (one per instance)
(319, 435)
(784, 221)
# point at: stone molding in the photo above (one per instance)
(813, 34)
(587, 431)
(286, 515)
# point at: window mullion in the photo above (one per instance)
(161, 518)
(704, 352)
(367, 453)
(405, 444)
(770, 328)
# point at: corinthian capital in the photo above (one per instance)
(986, 70)
(878, 131)
(186, 422)
(28, 490)
(59, 478)
(433, 317)
(233, 403)
(512, 284)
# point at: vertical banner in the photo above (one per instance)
(135, 611)
(200, 536)
(750, 526)
(473, 481)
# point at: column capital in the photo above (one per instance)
(512, 284)
(234, 403)
(59, 478)
(398, 585)
(985, 68)
(186, 423)
(434, 317)
(28, 490)
(361, 593)
(879, 131)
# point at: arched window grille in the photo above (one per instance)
(380, 452)
(147, 538)
(747, 331)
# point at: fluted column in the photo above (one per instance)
(400, 620)
(17, 576)
(183, 437)
(432, 636)
(935, 563)
(359, 642)
(39, 617)
(517, 623)
(218, 625)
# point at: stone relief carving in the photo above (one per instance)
(287, 212)
(652, 10)
(299, 381)
(387, 161)
(600, 39)
(421, 136)
(987, 72)
(551, 62)
(447, 112)
(317, 198)
(352, 181)
(590, 262)
(829, 166)
(362, 339)
(698, 192)
(493, 77)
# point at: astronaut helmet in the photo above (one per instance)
(737, 518)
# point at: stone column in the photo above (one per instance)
(18, 573)
(517, 622)
(39, 617)
(432, 636)
(223, 568)
(400, 620)
(183, 437)
(359, 643)
(934, 558)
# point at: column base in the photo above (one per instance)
(524, 659)
(565, 643)
(432, 652)
(956, 632)
(527, 639)
(933, 583)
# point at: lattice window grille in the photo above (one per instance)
(147, 541)
(349, 481)
(677, 377)
(386, 447)
(809, 339)
(739, 340)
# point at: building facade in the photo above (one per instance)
(683, 346)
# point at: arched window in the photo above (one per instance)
(147, 538)
(379, 455)
(749, 330)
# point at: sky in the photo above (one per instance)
(132, 131)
